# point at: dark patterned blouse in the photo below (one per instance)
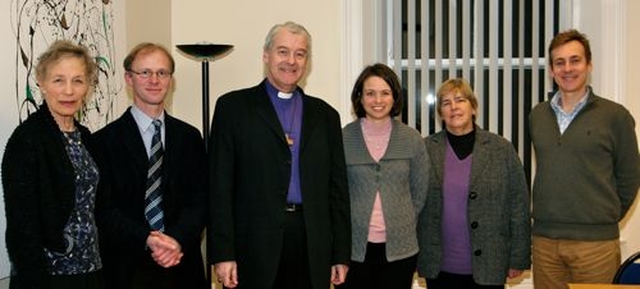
(82, 253)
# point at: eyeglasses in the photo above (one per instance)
(161, 74)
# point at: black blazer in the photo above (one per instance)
(39, 194)
(250, 166)
(123, 163)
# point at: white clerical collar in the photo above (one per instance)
(285, 95)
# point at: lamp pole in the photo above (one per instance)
(205, 103)
(204, 52)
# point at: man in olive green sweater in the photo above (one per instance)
(587, 176)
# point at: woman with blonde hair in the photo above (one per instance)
(49, 180)
(474, 229)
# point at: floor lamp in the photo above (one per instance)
(204, 53)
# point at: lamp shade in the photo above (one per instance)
(204, 51)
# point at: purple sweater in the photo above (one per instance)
(456, 242)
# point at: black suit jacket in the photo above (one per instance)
(123, 163)
(249, 178)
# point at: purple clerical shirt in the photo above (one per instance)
(289, 112)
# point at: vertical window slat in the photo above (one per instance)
(521, 72)
(397, 36)
(498, 45)
(411, 65)
(535, 50)
(466, 39)
(507, 85)
(493, 111)
(548, 34)
(439, 42)
(478, 81)
(453, 40)
(427, 96)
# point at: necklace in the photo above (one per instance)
(375, 140)
(376, 135)
(72, 137)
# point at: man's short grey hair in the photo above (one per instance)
(292, 27)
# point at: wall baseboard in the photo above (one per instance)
(4, 283)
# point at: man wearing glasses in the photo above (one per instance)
(152, 191)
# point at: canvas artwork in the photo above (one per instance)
(37, 23)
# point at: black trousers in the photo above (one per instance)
(151, 275)
(376, 272)
(293, 270)
(456, 281)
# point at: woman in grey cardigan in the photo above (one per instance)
(387, 170)
(474, 230)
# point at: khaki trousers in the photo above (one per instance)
(557, 262)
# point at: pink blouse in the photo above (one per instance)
(376, 136)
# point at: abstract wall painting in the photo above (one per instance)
(38, 23)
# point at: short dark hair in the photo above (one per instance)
(389, 76)
(566, 37)
(147, 47)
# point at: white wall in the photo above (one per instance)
(152, 27)
(610, 28)
(631, 72)
(631, 75)
(244, 24)
(8, 117)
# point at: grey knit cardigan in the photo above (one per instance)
(497, 208)
(401, 177)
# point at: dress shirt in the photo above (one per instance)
(145, 125)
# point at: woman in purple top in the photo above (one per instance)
(474, 229)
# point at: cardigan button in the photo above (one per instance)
(474, 225)
(477, 252)
(473, 195)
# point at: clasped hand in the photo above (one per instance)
(165, 250)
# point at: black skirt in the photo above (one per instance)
(92, 280)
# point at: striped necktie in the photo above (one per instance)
(153, 195)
